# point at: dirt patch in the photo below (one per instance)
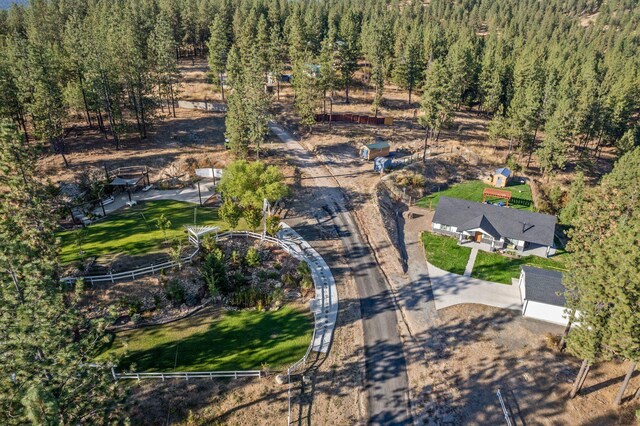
(486, 349)
(192, 136)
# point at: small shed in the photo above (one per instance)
(373, 150)
(381, 164)
(542, 295)
(500, 177)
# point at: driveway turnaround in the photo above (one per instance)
(453, 289)
(386, 376)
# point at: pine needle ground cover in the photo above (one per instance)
(218, 340)
(502, 269)
(445, 253)
(472, 191)
(133, 231)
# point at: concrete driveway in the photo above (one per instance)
(452, 289)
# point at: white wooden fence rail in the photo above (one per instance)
(187, 375)
(136, 273)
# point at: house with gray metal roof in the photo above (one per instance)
(491, 228)
(542, 295)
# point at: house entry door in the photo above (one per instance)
(478, 237)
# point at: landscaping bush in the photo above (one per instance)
(235, 257)
(136, 318)
(289, 280)
(304, 273)
(252, 258)
(249, 297)
(131, 304)
(208, 243)
(273, 225)
(174, 291)
(215, 274)
(253, 216)
(231, 213)
(238, 279)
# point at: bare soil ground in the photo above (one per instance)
(196, 84)
(488, 349)
(193, 138)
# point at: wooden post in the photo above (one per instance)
(330, 112)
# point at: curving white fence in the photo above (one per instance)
(324, 306)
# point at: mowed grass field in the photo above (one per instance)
(133, 231)
(218, 340)
(472, 191)
(445, 253)
(502, 269)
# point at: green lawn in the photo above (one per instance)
(235, 340)
(445, 253)
(133, 231)
(472, 191)
(501, 269)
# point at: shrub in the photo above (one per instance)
(273, 225)
(238, 279)
(174, 291)
(303, 269)
(135, 318)
(410, 179)
(131, 304)
(214, 274)
(235, 257)
(253, 217)
(249, 298)
(231, 213)
(163, 224)
(289, 280)
(277, 295)
(306, 283)
(252, 258)
(304, 272)
(208, 243)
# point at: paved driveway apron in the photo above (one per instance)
(452, 289)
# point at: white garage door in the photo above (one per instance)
(544, 312)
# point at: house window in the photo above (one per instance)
(448, 228)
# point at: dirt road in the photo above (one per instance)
(386, 377)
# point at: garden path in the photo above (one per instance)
(188, 195)
(472, 260)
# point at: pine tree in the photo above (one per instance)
(163, 49)
(436, 102)
(307, 94)
(462, 68)
(276, 56)
(50, 346)
(348, 49)
(603, 284)
(409, 65)
(218, 49)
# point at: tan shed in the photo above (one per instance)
(374, 150)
